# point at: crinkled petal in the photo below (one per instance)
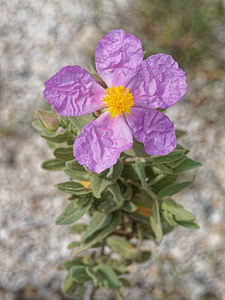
(118, 57)
(101, 141)
(153, 129)
(159, 83)
(73, 92)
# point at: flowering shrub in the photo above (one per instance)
(121, 155)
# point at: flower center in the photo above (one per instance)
(118, 100)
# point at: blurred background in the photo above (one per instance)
(40, 37)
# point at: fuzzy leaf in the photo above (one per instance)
(141, 173)
(163, 182)
(122, 246)
(173, 188)
(168, 216)
(53, 164)
(74, 211)
(172, 156)
(188, 224)
(37, 125)
(98, 222)
(137, 150)
(129, 207)
(114, 189)
(73, 262)
(92, 275)
(79, 274)
(107, 278)
(143, 256)
(77, 228)
(75, 171)
(73, 244)
(177, 210)
(58, 138)
(180, 133)
(186, 165)
(100, 183)
(64, 153)
(80, 121)
(73, 188)
(79, 293)
(156, 222)
(68, 285)
(101, 234)
(125, 282)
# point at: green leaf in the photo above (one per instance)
(127, 195)
(188, 224)
(74, 211)
(137, 150)
(141, 173)
(114, 189)
(125, 282)
(186, 165)
(169, 218)
(180, 133)
(37, 125)
(174, 188)
(64, 153)
(155, 221)
(73, 262)
(162, 169)
(92, 275)
(77, 228)
(101, 234)
(107, 278)
(143, 256)
(122, 246)
(79, 293)
(172, 156)
(80, 121)
(100, 183)
(129, 207)
(53, 164)
(163, 182)
(177, 210)
(68, 285)
(73, 188)
(75, 171)
(79, 274)
(58, 138)
(74, 244)
(175, 163)
(98, 222)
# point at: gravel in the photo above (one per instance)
(37, 39)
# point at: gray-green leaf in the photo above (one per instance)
(173, 188)
(177, 210)
(73, 188)
(53, 164)
(155, 221)
(64, 153)
(74, 211)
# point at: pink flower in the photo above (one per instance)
(135, 88)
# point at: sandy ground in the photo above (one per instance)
(37, 39)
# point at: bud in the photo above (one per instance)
(48, 120)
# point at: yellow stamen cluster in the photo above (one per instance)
(118, 100)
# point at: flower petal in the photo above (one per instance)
(159, 83)
(153, 129)
(73, 92)
(118, 57)
(101, 141)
